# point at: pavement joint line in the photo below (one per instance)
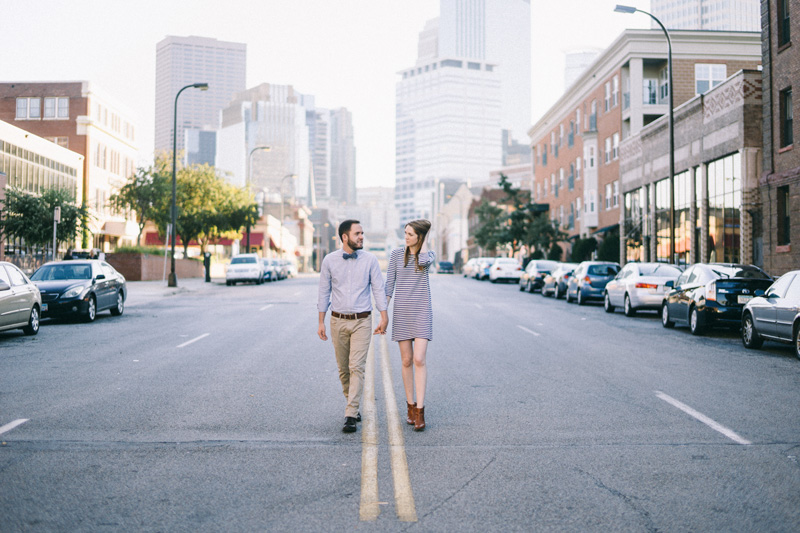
(187, 343)
(369, 508)
(266, 307)
(523, 328)
(716, 426)
(403, 495)
(12, 425)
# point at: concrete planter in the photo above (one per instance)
(146, 267)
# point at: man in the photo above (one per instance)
(346, 279)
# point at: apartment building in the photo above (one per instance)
(79, 117)
(780, 181)
(576, 143)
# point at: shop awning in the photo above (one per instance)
(606, 229)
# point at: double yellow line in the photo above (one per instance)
(403, 496)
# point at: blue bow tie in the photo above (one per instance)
(345, 255)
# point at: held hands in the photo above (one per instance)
(381, 329)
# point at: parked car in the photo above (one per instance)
(532, 278)
(482, 272)
(774, 315)
(639, 286)
(555, 283)
(588, 281)
(445, 267)
(505, 269)
(20, 301)
(245, 267)
(270, 270)
(470, 267)
(80, 288)
(711, 294)
(291, 268)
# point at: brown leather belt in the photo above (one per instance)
(351, 316)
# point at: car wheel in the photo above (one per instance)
(91, 310)
(521, 287)
(665, 321)
(557, 293)
(797, 340)
(530, 288)
(120, 307)
(750, 337)
(695, 324)
(607, 303)
(628, 308)
(580, 299)
(33, 322)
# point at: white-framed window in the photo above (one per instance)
(663, 84)
(56, 107)
(577, 168)
(561, 178)
(615, 197)
(590, 159)
(615, 91)
(607, 96)
(561, 135)
(561, 216)
(609, 194)
(578, 207)
(553, 182)
(708, 76)
(615, 146)
(29, 108)
(608, 150)
(553, 140)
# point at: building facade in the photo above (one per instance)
(77, 116)
(33, 164)
(730, 15)
(576, 144)
(780, 181)
(182, 61)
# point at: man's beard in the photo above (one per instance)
(355, 245)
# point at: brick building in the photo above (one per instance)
(780, 180)
(76, 116)
(576, 144)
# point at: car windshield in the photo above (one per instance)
(738, 271)
(242, 260)
(602, 270)
(62, 272)
(660, 271)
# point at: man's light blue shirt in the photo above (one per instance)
(345, 284)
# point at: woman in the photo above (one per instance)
(412, 321)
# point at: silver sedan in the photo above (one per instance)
(639, 286)
(20, 301)
(775, 314)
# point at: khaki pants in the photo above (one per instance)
(351, 340)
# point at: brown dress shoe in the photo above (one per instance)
(412, 415)
(419, 421)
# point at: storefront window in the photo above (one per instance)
(635, 225)
(683, 223)
(662, 220)
(724, 206)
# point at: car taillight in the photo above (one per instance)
(566, 276)
(646, 286)
(711, 291)
(587, 279)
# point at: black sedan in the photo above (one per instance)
(775, 314)
(712, 294)
(80, 288)
(445, 267)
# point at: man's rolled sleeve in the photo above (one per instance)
(324, 301)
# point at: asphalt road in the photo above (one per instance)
(219, 409)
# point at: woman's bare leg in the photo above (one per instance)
(420, 370)
(407, 356)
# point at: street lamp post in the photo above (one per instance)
(629, 9)
(173, 279)
(288, 176)
(249, 181)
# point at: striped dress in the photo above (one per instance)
(411, 292)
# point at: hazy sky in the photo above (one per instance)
(344, 52)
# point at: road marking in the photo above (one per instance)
(12, 425)
(370, 506)
(703, 418)
(265, 307)
(403, 497)
(187, 343)
(523, 328)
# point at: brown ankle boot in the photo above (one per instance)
(419, 421)
(412, 413)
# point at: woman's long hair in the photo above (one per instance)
(421, 227)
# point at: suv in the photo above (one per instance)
(245, 267)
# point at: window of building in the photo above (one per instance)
(609, 194)
(56, 107)
(571, 177)
(615, 91)
(784, 31)
(571, 134)
(607, 99)
(560, 178)
(608, 150)
(544, 155)
(577, 168)
(708, 76)
(615, 146)
(784, 214)
(452, 63)
(29, 108)
(663, 84)
(561, 135)
(473, 66)
(724, 208)
(786, 117)
(615, 194)
(577, 122)
(650, 92)
(578, 208)
(593, 117)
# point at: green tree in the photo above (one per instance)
(582, 249)
(490, 233)
(29, 216)
(608, 250)
(516, 226)
(144, 193)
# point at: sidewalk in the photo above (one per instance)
(143, 291)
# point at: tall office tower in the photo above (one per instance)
(276, 116)
(182, 61)
(319, 140)
(343, 157)
(730, 15)
(471, 81)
